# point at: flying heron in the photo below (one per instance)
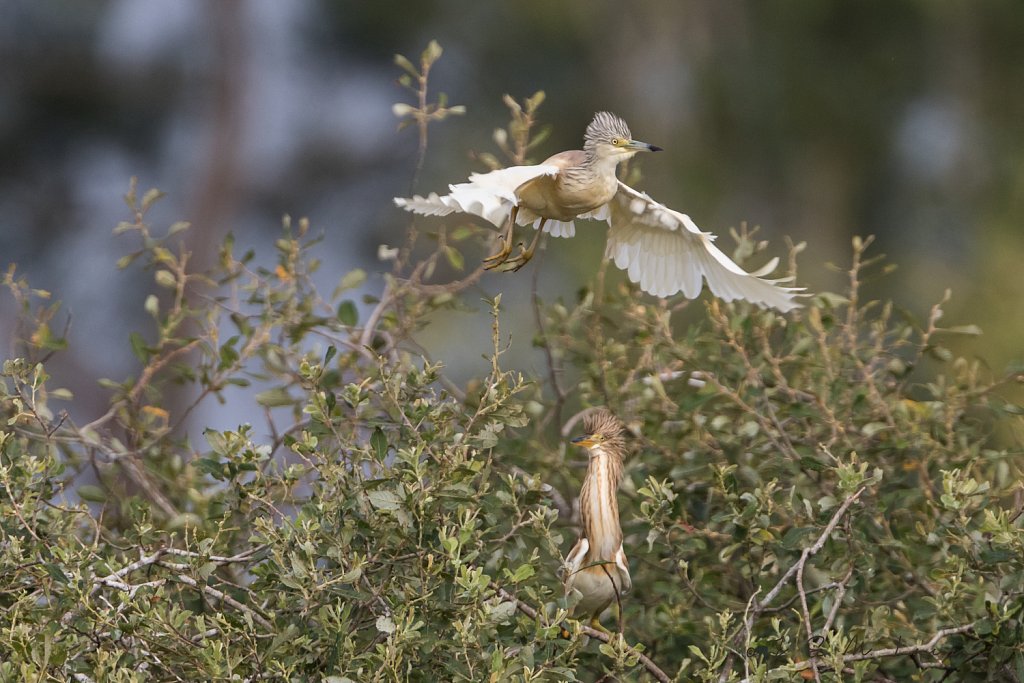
(596, 566)
(661, 250)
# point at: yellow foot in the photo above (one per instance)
(502, 261)
(595, 624)
(499, 259)
(521, 259)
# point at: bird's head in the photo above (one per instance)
(602, 433)
(608, 137)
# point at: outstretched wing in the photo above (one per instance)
(664, 252)
(488, 195)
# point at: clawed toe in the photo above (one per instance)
(520, 261)
(512, 263)
(496, 260)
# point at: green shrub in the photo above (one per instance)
(828, 495)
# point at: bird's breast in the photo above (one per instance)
(597, 586)
(567, 195)
(585, 192)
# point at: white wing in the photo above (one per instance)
(623, 565)
(665, 252)
(488, 195)
(573, 562)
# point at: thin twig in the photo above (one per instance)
(899, 651)
(810, 552)
(618, 598)
(115, 577)
(838, 600)
(911, 649)
(806, 613)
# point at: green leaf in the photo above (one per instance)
(61, 394)
(351, 280)
(404, 63)
(56, 573)
(379, 443)
(139, 347)
(127, 259)
(997, 555)
(461, 232)
(503, 612)
(809, 463)
(212, 467)
(792, 538)
(940, 353)
(384, 499)
(432, 53)
(92, 493)
(151, 197)
(972, 330)
(348, 314)
(274, 398)
(524, 572)
(454, 257)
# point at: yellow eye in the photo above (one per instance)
(616, 141)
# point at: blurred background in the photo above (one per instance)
(813, 120)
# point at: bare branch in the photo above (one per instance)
(911, 649)
(805, 612)
(809, 552)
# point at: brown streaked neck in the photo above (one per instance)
(599, 506)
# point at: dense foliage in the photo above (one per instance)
(829, 495)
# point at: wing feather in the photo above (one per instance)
(665, 252)
(573, 561)
(623, 564)
(488, 195)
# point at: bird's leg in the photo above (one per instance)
(595, 623)
(524, 256)
(495, 260)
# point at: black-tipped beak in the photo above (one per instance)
(639, 146)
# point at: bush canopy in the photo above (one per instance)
(830, 495)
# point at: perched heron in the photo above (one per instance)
(661, 250)
(596, 566)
